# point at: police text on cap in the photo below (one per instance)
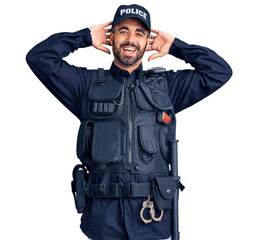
(133, 11)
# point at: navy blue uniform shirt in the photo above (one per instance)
(119, 219)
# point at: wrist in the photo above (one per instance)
(86, 34)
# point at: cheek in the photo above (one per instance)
(144, 45)
(115, 41)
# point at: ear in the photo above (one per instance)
(147, 46)
(111, 38)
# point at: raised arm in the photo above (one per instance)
(187, 87)
(65, 81)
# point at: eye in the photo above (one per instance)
(139, 34)
(123, 32)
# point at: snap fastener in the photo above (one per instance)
(168, 190)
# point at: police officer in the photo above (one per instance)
(121, 141)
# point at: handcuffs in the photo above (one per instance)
(150, 204)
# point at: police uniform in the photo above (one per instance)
(107, 214)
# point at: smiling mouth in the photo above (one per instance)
(129, 50)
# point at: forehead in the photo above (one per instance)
(131, 23)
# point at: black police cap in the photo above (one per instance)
(132, 11)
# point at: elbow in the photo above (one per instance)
(226, 73)
(29, 58)
(229, 72)
(32, 58)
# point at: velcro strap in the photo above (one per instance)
(100, 76)
(119, 190)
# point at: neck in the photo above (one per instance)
(131, 68)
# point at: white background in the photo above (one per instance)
(218, 150)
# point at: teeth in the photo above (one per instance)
(130, 49)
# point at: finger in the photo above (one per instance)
(154, 30)
(107, 42)
(107, 24)
(155, 55)
(107, 30)
(150, 45)
(104, 49)
(150, 48)
(152, 36)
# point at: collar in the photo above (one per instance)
(119, 73)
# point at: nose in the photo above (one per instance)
(131, 37)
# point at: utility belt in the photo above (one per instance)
(161, 190)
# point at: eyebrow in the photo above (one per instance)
(126, 28)
(137, 30)
(140, 30)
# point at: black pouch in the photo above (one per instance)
(106, 142)
(84, 141)
(164, 191)
(148, 144)
(78, 187)
(106, 100)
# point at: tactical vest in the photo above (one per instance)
(120, 129)
(125, 126)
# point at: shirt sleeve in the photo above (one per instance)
(187, 87)
(66, 82)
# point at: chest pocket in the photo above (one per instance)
(106, 99)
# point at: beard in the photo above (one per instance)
(124, 59)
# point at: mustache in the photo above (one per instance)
(127, 44)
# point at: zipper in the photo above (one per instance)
(130, 133)
(130, 138)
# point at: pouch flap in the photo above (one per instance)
(105, 92)
(148, 139)
(106, 141)
(141, 100)
(161, 99)
(166, 186)
(157, 98)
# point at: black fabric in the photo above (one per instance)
(148, 142)
(106, 91)
(120, 190)
(78, 187)
(164, 190)
(105, 100)
(84, 141)
(119, 218)
(116, 133)
(106, 142)
(156, 98)
(100, 76)
(104, 185)
(132, 11)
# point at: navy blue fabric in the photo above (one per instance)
(68, 83)
(118, 219)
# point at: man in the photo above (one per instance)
(125, 120)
